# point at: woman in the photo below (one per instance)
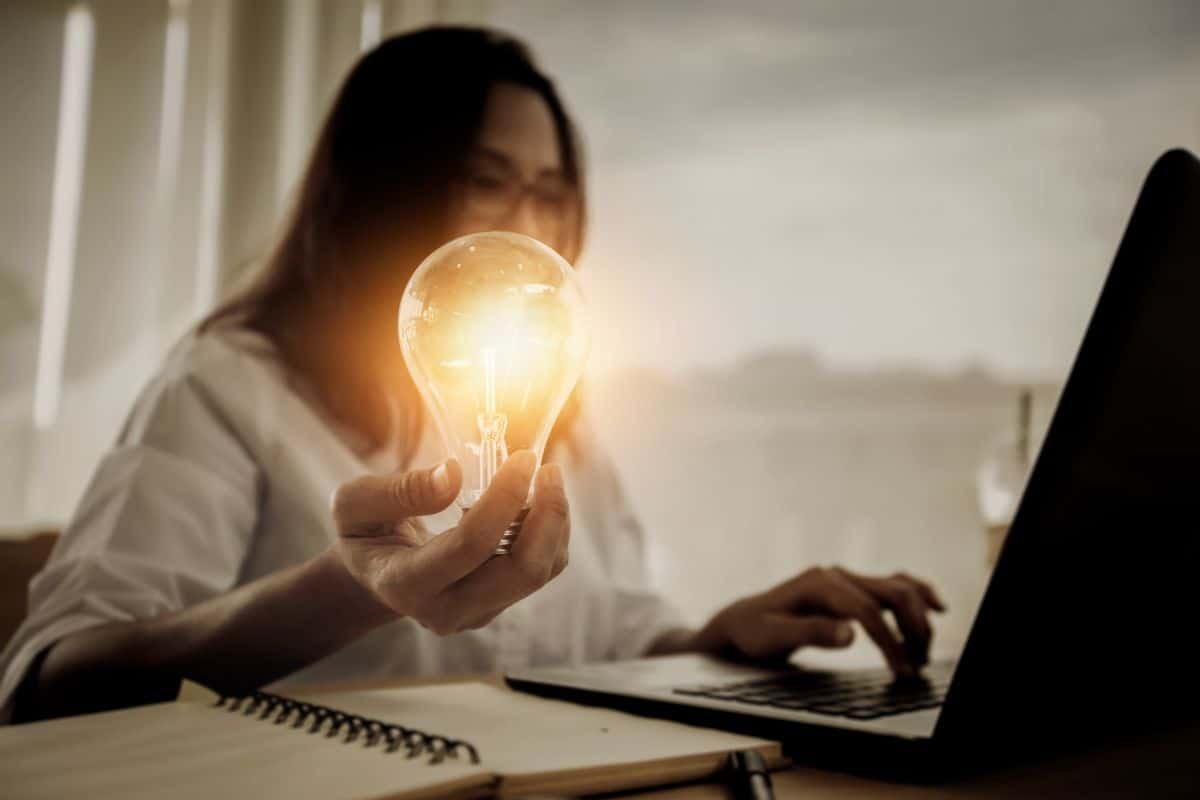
(204, 546)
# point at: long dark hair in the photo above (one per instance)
(374, 201)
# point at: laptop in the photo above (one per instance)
(1088, 625)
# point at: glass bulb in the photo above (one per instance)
(495, 334)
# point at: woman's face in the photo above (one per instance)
(513, 177)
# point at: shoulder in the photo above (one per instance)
(230, 375)
(215, 355)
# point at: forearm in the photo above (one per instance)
(684, 640)
(711, 639)
(243, 639)
(676, 640)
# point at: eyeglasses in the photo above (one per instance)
(492, 189)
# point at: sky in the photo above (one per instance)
(937, 184)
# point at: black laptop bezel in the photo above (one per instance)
(1042, 669)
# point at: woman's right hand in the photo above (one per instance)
(383, 564)
(449, 582)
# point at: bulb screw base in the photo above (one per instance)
(504, 546)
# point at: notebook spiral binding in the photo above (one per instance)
(352, 727)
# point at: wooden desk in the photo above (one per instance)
(1165, 765)
(1162, 766)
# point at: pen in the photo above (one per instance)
(748, 776)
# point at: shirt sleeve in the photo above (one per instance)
(165, 522)
(642, 612)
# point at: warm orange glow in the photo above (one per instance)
(494, 331)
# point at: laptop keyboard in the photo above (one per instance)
(856, 694)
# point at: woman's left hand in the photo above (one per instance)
(815, 609)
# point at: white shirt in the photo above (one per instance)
(223, 473)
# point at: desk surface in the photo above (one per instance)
(1166, 765)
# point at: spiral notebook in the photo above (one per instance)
(454, 740)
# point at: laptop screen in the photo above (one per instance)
(1094, 589)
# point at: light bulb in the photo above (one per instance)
(495, 335)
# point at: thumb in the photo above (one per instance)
(376, 499)
(826, 632)
(780, 634)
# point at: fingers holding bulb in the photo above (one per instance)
(547, 529)
(463, 549)
(550, 500)
(374, 500)
(538, 555)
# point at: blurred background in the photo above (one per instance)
(832, 244)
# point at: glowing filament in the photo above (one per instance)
(492, 449)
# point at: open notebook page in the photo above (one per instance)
(540, 745)
(190, 751)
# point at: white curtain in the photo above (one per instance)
(199, 118)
